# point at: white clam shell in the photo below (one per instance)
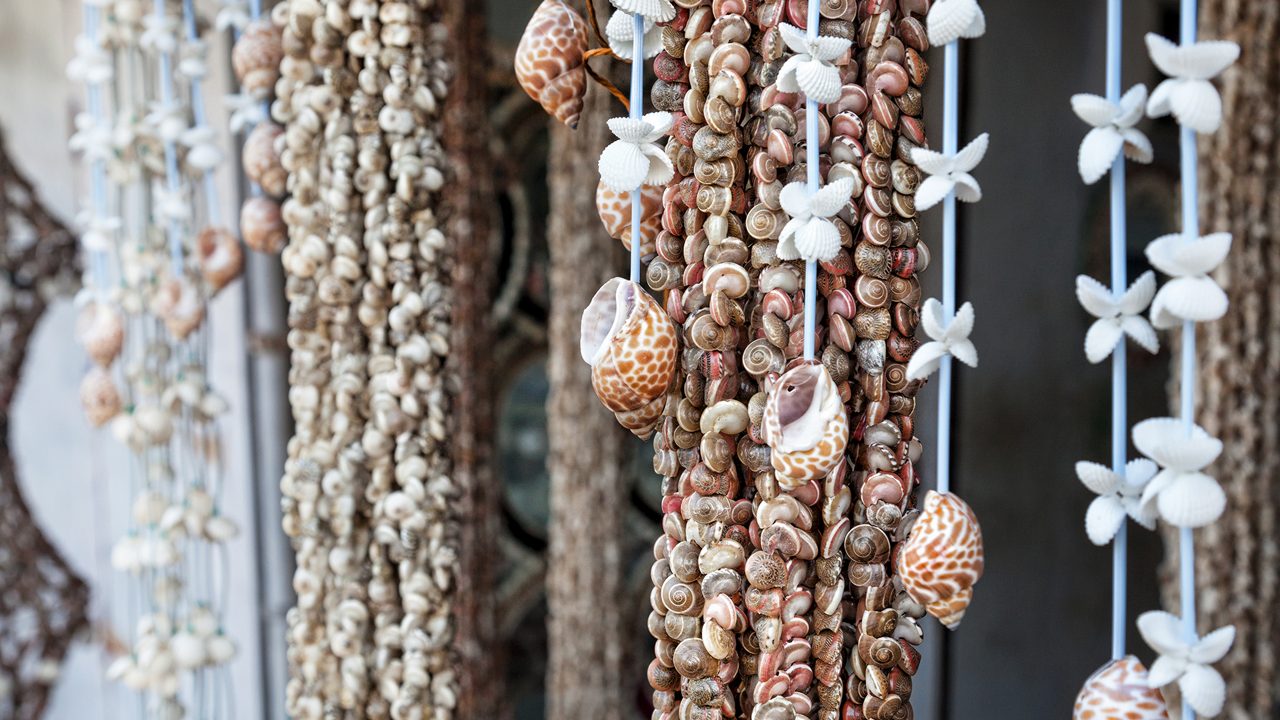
(1166, 441)
(1197, 299)
(655, 10)
(818, 81)
(621, 34)
(950, 20)
(1193, 500)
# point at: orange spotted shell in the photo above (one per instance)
(615, 213)
(805, 424)
(261, 225)
(942, 557)
(630, 344)
(549, 62)
(1119, 691)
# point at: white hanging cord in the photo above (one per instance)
(814, 182)
(200, 116)
(1119, 377)
(97, 253)
(172, 179)
(637, 111)
(950, 145)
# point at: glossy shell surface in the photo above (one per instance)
(549, 63)
(943, 558)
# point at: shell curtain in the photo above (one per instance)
(1169, 484)
(780, 582)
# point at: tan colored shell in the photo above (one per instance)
(256, 57)
(630, 344)
(942, 558)
(221, 258)
(178, 303)
(101, 331)
(261, 159)
(99, 396)
(549, 62)
(805, 424)
(1119, 691)
(615, 213)
(261, 226)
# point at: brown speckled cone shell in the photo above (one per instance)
(261, 159)
(261, 225)
(943, 558)
(615, 213)
(819, 460)
(1119, 692)
(99, 396)
(638, 360)
(549, 63)
(256, 57)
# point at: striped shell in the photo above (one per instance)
(805, 424)
(1119, 692)
(549, 63)
(942, 558)
(615, 213)
(630, 344)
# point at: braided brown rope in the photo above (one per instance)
(44, 603)
(1239, 557)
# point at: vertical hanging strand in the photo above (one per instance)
(812, 178)
(950, 143)
(637, 111)
(168, 209)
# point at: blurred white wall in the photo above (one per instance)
(77, 479)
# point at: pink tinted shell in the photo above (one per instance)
(805, 423)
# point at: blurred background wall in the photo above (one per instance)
(1033, 408)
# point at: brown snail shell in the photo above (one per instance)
(256, 57)
(615, 213)
(261, 159)
(692, 660)
(630, 344)
(100, 329)
(261, 225)
(221, 258)
(179, 305)
(805, 423)
(549, 60)
(99, 396)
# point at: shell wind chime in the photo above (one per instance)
(772, 368)
(155, 256)
(369, 499)
(1170, 486)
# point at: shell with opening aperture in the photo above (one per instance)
(549, 60)
(1119, 691)
(630, 344)
(805, 423)
(943, 558)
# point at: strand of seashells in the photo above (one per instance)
(368, 497)
(142, 218)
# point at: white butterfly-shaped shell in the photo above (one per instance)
(1118, 497)
(1113, 131)
(950, 20)
(1117, 318)
(810, 69)
(1190, 294)
(948, 339)
(1184, 496)
(1188, 94)
(655, 10)
(1187, 663)
(810, 234)
(949, 172)
(633, 159)
(621, 34)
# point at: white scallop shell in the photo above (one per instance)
(1166, 441)
(818, 239)
(655, 10)
(625, 166)
(621, 34)
(949, 20)
(1193, 500)
(1197, 299)
(819, 81)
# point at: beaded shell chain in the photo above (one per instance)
(145, 135)
(368, 498)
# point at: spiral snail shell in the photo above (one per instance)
(256, 57)
(1119, 690)
(101, 331)
(630, 344)
(615, 214)
(99, 396)
(805, 423)
(261, 225)
(942, 557)
(221, 258)
(549, 60)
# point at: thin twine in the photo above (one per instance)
(811, 166)
(255, 13)
(1190, 229)
(172, 181)
(199, 115)
(950, 143)
(636, 111)
(97, 167)
(1119, 377)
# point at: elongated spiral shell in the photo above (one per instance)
(630, 344)
(942, 558)
(549, 62)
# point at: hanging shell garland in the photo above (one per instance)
(942, 559)
(549, 60)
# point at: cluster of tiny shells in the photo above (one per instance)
(144, 325)
(368, 497)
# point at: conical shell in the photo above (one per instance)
(256, 57)
(99, 396)
(1118, 691)
(615, 213)
(805, 423)
(221, 258)
(549, 64)
(261, 225)
(630, 344)
(942, 558)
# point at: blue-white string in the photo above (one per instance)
(950, 145)
(172, 179)
(97, 166)
(636, 112)
(813, 182)
(1119, 377)
(199, 115)
(1190, 229)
